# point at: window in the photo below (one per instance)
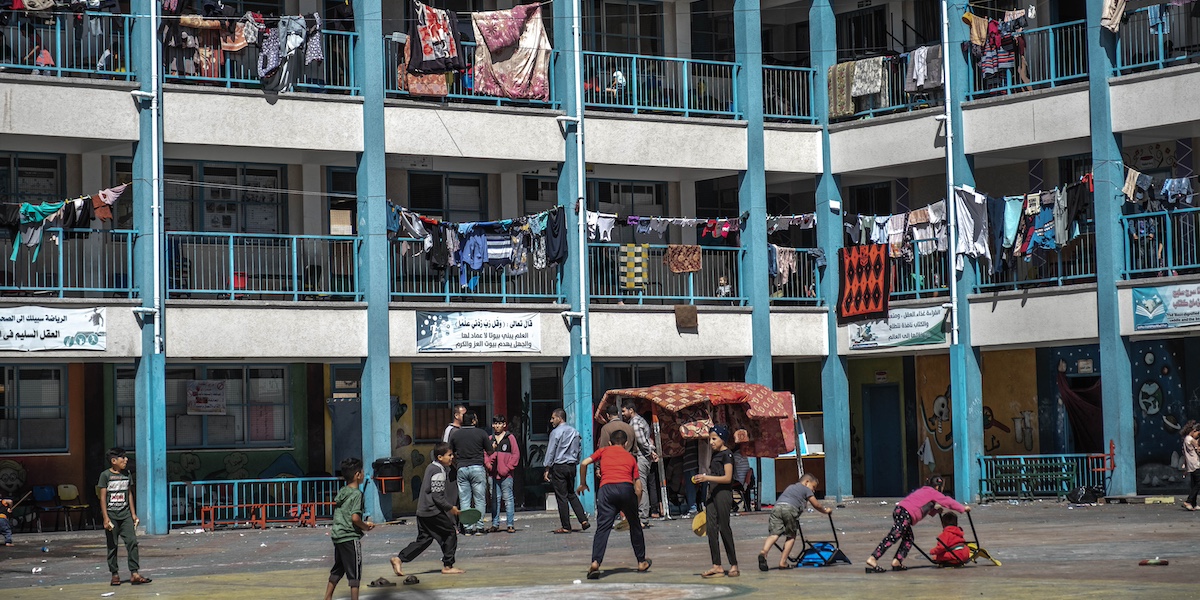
(644, 199)
(792, 203)
(33, 178)
(786, 44)
(343, 211)
(540, 194)
(872, 199)
(454, 198)
(33, 410)
(927, 23)
(545, 395)
(218, 197)
(621, 376)
(715, 199)
(257, 411)
(437, 390)
(712, 30)
(862, 33)
(624, 27)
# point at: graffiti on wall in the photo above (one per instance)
(1160, 410)
(12, 477)
(234, 464)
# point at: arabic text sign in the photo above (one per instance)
(478, 331)
(1166, 307)
(206, 397)
(903, 327)
(28, 328)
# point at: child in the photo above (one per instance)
(436, 509)
(348, 529)
(501, 462)
(6, 506)
(120, 516)
(719, 505)
(917, 505)
(785, 518)
(951, 549)
(619, 491)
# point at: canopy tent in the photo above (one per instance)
(763, 421)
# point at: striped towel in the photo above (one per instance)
(632, 270)
(499, 249)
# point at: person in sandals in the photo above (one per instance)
(914, 507)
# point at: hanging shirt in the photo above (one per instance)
(970, 213)
(556, 237)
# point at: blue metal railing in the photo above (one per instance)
(803, 287)
(661, 85)
(461, 86)
(414, 279)
(67, 44)
(1146, 44)
(659, 284)
(1088, 470)
(1073, 263)
(100, 263)
(788, 94)
(237, 496)
(924, 276)
(240, 69)
(270, 267)
(1054, 56)
(1160, 243)
(894, 99)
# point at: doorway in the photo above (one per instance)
(883, 441)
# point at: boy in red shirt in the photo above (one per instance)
(620, 490)
(951, 549)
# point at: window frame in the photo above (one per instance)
(201, 197)
(482, 406)
(447, 212)
(595, 24)
(12, 376)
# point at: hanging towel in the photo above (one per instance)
(864, 279)
(512, 53)
(786, 263)
(971, 223)
(439, 47)
(868, 77)
(841, 76)
(933, 68)
(416, 84)
(1111, 13)
(683, 259)
(1130, 187)
(632, 269)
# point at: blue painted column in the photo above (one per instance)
(835, 387)
(1117, 380)
(577, 376)
(373, 253)
(752, 200)
(150, 379)
(966, 380)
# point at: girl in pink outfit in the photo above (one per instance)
(916, 506)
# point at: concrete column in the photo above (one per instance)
(1107, 168)
(966, 380)
(313, 209)
(577, 376)
(373, 255)
(150, 443)
(510, 195)
(683, 29)
(687, 207)
(835, 388)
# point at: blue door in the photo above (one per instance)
(883, 444)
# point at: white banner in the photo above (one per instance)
(28, 328)
(206, 397)
(903, 327)
(478, 331)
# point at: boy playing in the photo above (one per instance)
(785, 518)
(120, 516)
(6, 506)
(951, 549)
(436, 509)
(348, 529)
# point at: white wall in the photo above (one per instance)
(266, 330)
(1030, 119)
(1038, 317)
(799, 333)
(619, 333)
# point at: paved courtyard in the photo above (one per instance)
(1048, 550)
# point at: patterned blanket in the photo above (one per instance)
(512, 53)
(864, 282)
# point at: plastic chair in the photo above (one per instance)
(68, 495)
(45, 499)
(745, 494)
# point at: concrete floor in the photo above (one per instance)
(1048, 550)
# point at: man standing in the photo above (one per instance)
(616, 424)
(618, 492)
(455, 423)
(470, 445)
(645, 454)
(562, 456)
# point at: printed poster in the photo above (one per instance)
(205, 397)
(903, 327)
(478, 331)
(1166, 307)
(31, 328)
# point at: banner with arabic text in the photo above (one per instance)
(903, 327)
(478, 331)
(29, 328)
(1166, 307)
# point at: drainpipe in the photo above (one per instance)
(952, 223)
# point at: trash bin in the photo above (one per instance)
(389, 474)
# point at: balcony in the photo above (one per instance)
(893, 98)
(460, 87)
(334, 74)
(614, 283)
(415, 279)
(660, 85)
(1151, 40)
(787, 94)
(241, 266)
(1161, 243)
(56, 46)
(1073, 263)
(83, 263)
(1054, 56)
(926, 275)
(803, 287)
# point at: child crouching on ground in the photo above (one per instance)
(785, 518)
(348, 529)
(951, 549)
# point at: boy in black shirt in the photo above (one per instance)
(471, 445)
(435, 514)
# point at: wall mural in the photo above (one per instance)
(12, 477)
(233, 464)
(1160, 410)
(935, 433)
(1150, 157)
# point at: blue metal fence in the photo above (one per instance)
(926, 275)
(1073, 263)
(1156, 37)
(415, 279)
(81, 262)
(660, 85)
(787, 94)
(1054, 56)
(460, 86)
(802, 287)
(269, 267)
(62, 44)
(658, 284)
(240, 69)
(893, 98)
(234, 499)
(1161, 243)
(1087, 469)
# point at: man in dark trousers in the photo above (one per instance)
(616, 424)
(470, 445)
(619, 491)
(645, 453)
(562, 454)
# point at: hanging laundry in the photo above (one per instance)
(1062, 225)
(1111, 14)
(556, 237)
(853, 228)
(786, 262)
(472, 255)
(970, 212)
(818, 256)
(1078, 200)
(314, 48)
(683, 259)
(438, 45)
(1160, 19)
(1178, 192)
(518, 263)
(512, 53)
(896, 226)
(933, 68)
(941, 229)
(600, 225)
(979, 27)
(1014, 208)
(918, 65)
(840, 80)
(416, 84)
(864, 280)
(34, 217)
(879, 232)
(632, 270)
(868, 77)
(995, 216)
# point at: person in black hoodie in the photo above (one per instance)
(470, 444)
(436, 511)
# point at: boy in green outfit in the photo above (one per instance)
(348, 529)
(120, 516)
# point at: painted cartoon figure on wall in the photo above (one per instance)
(12, 477)
(184, 468)
(937, 421)
(1160, 408)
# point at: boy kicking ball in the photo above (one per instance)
(785, 518)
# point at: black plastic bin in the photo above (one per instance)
(389, 474)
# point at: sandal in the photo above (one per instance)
(713, 572)
(593, 572)
(762, 563)
(900, 567)
(512, 529)
(648, 563)
(876, 569)
(411, 580)
(734, 572)
(381, 582)
(561, 530)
